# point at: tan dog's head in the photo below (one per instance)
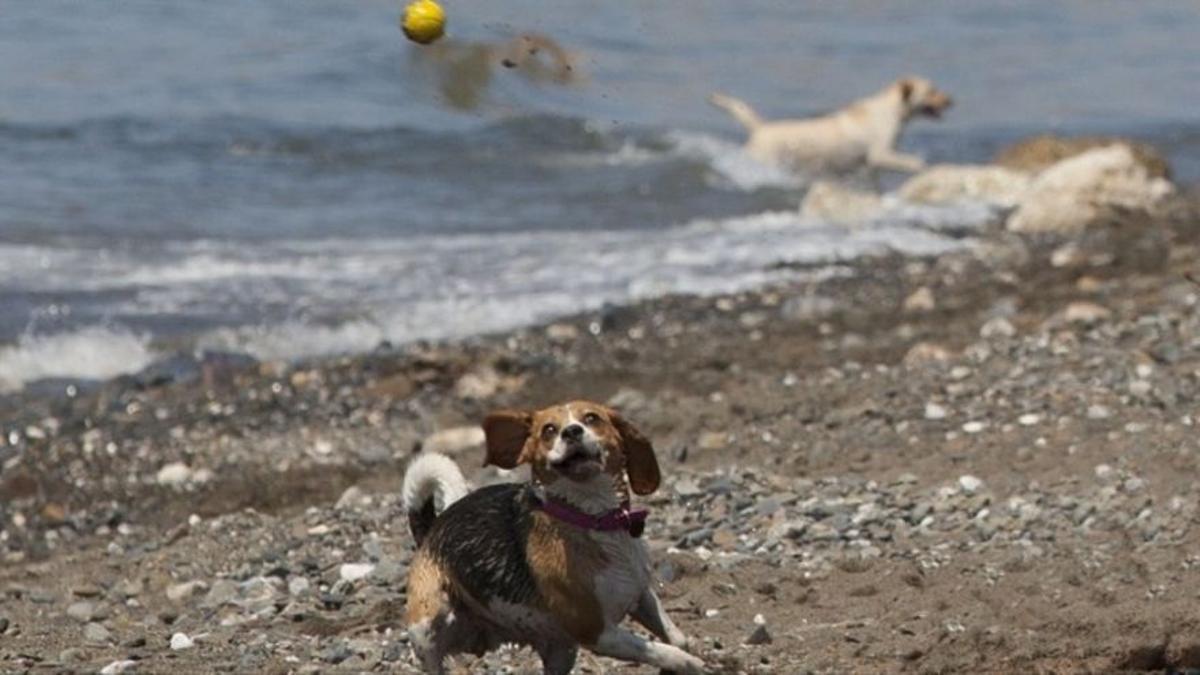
(574, 441)
(920, 97)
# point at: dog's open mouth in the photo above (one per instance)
(932, 111)
(578, 459)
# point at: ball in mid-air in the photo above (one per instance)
(424, 21)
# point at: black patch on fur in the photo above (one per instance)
(481, 540)
(420, 520)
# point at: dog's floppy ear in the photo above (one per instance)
(906, 90)
(640, 463)
(506, 432)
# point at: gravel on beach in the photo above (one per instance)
(977, 462)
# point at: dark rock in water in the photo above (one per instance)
(188, 368)
(176, 369)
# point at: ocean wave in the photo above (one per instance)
(733, 166)
(89, 353)
(302, 298)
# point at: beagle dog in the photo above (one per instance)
(863, 133)
(555, 563)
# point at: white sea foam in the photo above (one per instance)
(288, 300)
(732, 165)
(94, 352)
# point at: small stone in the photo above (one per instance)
(181, 641)
(562, 332)
(222, 592)
(711, 440)
(86, 591)
(481, 383)
(1028, 419)
(1140, 388)
(3, 625)
(387, 572)
(95, 633)
(921, 300)
(128, 588)
(81, 611)
(174, 473)
(1098, 412)
(1104, 471)
(1085, 313)
(298, 586)
(926, 354)
(710, 613)
(974, 427)
(185, 590)
(353, 496)
(998, 327)
(393, 653)
(934, 411)
(352, 572)
(760, 636)
(687, 487)
(337, 653)
(724, 538)
(969, 484)
(808, 307)
(118, 667)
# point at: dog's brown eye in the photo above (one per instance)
(549, 431)
(591, 419)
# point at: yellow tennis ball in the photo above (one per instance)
(424, 21)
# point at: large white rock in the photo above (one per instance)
(951, 183)
(1077, 191)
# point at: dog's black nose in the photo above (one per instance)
(573, 432)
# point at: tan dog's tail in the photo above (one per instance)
(431, 483)
(741, 111)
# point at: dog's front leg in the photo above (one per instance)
(620, 643)
(886, 158)
(650, 613)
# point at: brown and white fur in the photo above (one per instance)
(863, 134)
(494, 568)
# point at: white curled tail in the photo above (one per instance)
(431, 484)
(741, 111)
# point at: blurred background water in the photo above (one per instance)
(288, 177)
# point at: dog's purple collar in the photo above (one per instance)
(621, 518)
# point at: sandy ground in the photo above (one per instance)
(980, 462)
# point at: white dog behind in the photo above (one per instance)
(863, 134)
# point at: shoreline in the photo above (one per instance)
(877, 463)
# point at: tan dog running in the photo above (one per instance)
(465, 68)
(553, 564)
(863, 134)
